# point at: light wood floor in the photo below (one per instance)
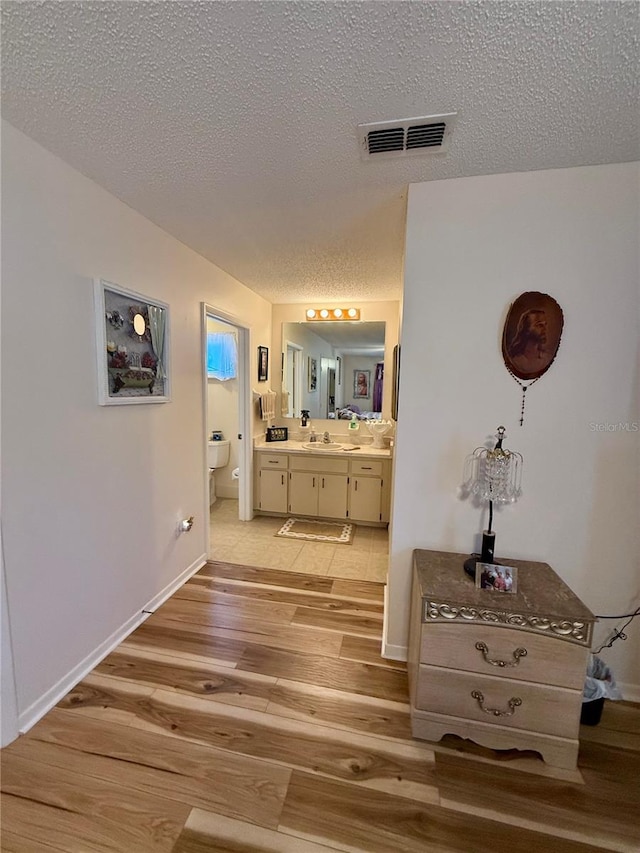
(253, 713)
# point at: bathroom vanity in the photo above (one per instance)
(505, 670)
(342, 484)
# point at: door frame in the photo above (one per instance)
(245, 456)
(296, 392)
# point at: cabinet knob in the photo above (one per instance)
(517, 654)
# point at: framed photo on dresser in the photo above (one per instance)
(495, 578)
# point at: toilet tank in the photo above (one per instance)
(217, 453)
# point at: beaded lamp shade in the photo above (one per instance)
(492, 476)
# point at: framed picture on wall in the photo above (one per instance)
(312, 374)
(263, 364)
(396, 382)
(361, 383)
(531, 335)
(132, 346)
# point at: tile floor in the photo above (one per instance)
(254, 543)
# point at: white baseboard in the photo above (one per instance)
(392, 652)
(389, 650)
(30, 716)
(176, 583)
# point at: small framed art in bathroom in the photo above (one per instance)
(312, 374)
(263, 364)
(132, 346)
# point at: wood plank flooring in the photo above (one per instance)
(252, 713)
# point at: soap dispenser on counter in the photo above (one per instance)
(354, 426)
(304, 425)
(312, 434)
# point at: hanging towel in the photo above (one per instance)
(268, 405)
(284, 403)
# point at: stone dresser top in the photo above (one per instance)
(543, 602)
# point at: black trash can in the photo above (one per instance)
(591, 712)
(598, 686)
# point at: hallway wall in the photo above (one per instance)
(473, 245)
(92, 495)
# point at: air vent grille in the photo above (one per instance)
(385, 140)
(426, 135)
(405, 137)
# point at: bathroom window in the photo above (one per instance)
(222, 356)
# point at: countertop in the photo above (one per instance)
(292, 446)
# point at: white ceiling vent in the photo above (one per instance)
(405, 137)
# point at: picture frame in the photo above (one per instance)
(395, 387)
(132, 346)
(312, 374)
(263, 364)
(531, 335)
(361, 384)
(493, 577)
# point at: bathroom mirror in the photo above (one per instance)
(341, 353)
(139, 325)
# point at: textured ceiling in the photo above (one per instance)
(232, 125)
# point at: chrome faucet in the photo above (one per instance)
(326, 438)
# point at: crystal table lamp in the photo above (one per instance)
(491, 476)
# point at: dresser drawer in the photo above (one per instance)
(272, 460)
(321, 464)
(546, 660)
(372, 467)
(550, 710)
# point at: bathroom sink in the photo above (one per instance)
(322, 445)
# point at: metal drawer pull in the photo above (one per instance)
(518, 653)
(494, 712)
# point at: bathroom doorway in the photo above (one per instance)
(226, 389)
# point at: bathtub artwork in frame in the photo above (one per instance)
(132, 346)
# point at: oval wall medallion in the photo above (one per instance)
(531, 335)
(531, 338)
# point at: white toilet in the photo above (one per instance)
(217, 457)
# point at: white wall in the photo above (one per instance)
(92, 495)
(222, 414)
(473, 245)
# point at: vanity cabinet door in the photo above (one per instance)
(273, 491)
(303, 493)
(332, 496)
(365, 499)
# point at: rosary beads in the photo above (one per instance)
(524, 393)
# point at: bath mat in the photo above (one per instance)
(335, 532)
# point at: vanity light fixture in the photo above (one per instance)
(313, 314)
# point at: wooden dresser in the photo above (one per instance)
(505, 670)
